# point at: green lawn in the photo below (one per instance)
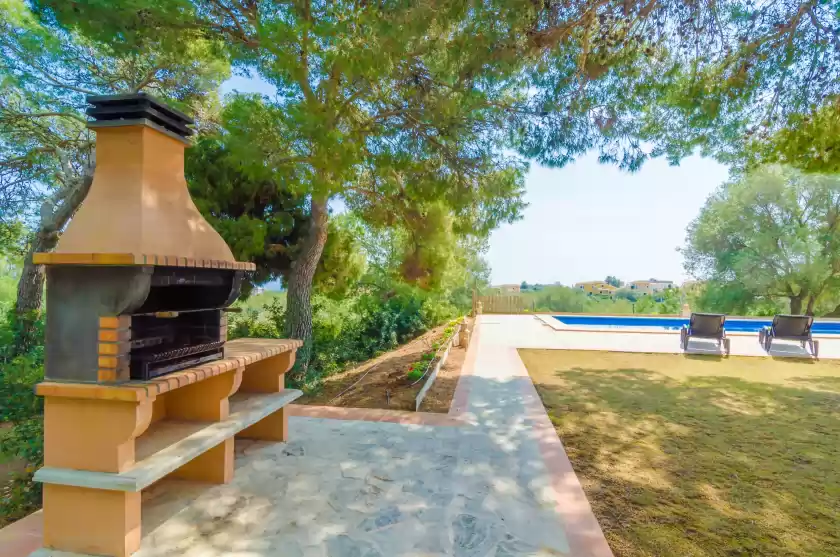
(700, 456)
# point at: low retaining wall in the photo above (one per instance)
(453, 340)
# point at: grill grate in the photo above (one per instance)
(153, 357)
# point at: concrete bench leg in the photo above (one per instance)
(274, 427)
(91, 521)
(206, 401)
(96, 435)
(268, 376)
(214, 466)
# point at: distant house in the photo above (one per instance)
(508, 288)
(651, 286)
(598, 287)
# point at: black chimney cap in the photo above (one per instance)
(137, 108)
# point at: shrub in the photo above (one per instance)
(24, 411)
(415, 372)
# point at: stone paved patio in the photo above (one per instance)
(481, 486)
(351, 488)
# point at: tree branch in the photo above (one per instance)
(52, 114)
(833, 35)
(303, 80)
(147, 79)
(46, 75)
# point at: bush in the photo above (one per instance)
(351, 329)
(24, 411)
(415, 372)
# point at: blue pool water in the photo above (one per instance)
(674, 323)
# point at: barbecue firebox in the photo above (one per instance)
(139, 282)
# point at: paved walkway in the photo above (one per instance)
(491, 479)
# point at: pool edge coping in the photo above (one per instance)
(551, 321)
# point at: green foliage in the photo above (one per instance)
(420, 368)
(733, 298)
(20, 408)
(809, 141)
(46, 70)
(343, 263)
(257, 323)
(556, 298)
(402, 109)
(613, 281)
(259, 299)
(667, 302)
(564, 78)
(627, 294)
(428, 248)
(774, 232)
(562, 299)
(12, 242)
(19, 377)
(415, 372)
(253, 211)
(354, 328)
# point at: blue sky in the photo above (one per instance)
(589, 220)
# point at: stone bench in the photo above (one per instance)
(103, 444)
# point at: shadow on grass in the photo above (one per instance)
(705, 466)
(709, 357)
(822, 383)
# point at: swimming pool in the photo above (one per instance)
(733, 325)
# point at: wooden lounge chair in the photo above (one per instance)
(790, 327)
(705, 325)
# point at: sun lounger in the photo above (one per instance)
(705, 325)
(790, 327)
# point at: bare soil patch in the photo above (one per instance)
(383, 382)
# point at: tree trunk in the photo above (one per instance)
(55, 214)
(796, 305)
(299, 293)
(809, 309)
(29, 295)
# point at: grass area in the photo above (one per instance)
(700, 456)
